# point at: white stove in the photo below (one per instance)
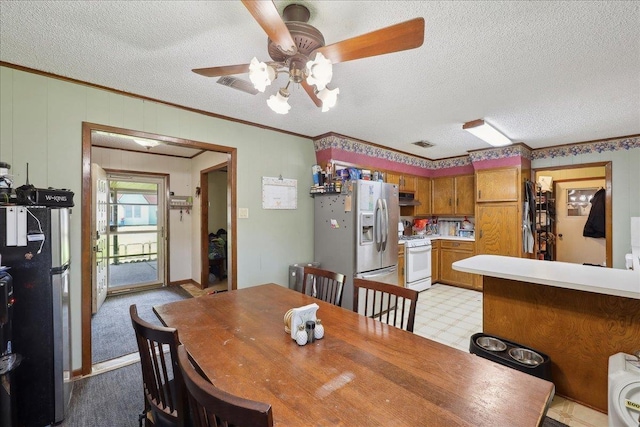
(414, 241)
(417, 262)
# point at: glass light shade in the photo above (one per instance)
(485, 132)
(261, 74)
(320, 71)
(279, 102)
(146, 142)
(328, 98)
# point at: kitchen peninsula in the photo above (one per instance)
(578, 315)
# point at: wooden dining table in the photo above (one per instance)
(361, 373)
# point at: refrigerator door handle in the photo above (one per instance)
(385, 228)
(377, 225)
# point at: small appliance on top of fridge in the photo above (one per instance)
(34, 243)
(356, 233)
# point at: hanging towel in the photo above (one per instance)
(528, 215)
(594, 227)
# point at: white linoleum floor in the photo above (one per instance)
(450, 315)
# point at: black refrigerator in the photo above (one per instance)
(34, 244)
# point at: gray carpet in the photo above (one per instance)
(111, 331)
(112, 399)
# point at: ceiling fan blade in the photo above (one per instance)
(265, 12)
(311, 92)
(222, 71)
(403, 36)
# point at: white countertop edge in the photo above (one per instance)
(607, 281)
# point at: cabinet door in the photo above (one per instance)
(451, 276)
(408, 182)
(423, 195)
(497, 185)
(393, 178)
(435, 261)
(498, 229)
(465, 201)
(443, 192)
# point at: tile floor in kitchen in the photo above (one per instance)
(451, 315)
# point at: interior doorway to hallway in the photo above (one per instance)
(601, 172)
(168, 151)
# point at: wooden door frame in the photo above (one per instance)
(85, 209)
(608, 200)
(204, 225)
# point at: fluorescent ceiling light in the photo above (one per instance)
(485, 132)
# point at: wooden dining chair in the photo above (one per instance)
(211, 406)
(164, 394)
(391, 304)
(323, 284)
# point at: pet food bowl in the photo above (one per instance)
(528, 357)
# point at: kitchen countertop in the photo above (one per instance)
(601, 280)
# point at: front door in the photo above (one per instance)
(99, 220)
(136, 231)
(572, 210)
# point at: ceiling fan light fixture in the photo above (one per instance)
(329, 98)
(261, 74)
(320, 71)
(279, 102)
(487, 133)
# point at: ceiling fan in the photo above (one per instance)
(298, 50)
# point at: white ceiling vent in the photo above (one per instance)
(237, 83)
(423, 144)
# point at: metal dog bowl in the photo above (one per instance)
(491, 344)
(525, 356)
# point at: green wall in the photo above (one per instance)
(41, 123)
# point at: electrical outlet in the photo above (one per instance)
(243, 213)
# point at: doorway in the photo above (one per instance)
(170, 147)
(572, 211)
(601, 173)
(135, 236)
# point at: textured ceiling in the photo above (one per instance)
(544, 73)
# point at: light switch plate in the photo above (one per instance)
(243, 213)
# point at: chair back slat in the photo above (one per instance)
(323, 284)
(391, 304)
(161, 377)
(211, 406)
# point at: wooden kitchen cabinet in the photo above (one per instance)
(453, 195)
(498, 229)
(435, 261)
(450, 252)
(401, 265)
(498, 185)
(465, 191)
(423, 195)
(405, 182)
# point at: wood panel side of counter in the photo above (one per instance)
(577, 330)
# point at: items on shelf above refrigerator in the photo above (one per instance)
(331, 179)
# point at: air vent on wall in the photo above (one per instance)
(423, 144)
(237, 83)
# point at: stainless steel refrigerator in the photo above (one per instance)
(356, 233)
(34, 243)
